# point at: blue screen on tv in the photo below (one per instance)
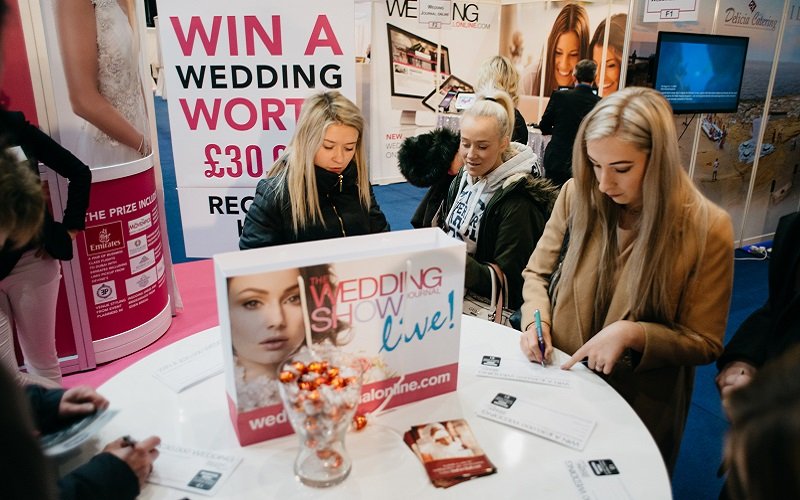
(700, 73)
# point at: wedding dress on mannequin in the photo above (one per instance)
(120, 82)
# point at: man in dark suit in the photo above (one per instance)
(561, 119)
(774, 327)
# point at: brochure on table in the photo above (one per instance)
(393, 299)
(74, 435)
(449, 452)
(191, 469)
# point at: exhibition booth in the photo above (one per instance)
(235, 76)
(117, 294)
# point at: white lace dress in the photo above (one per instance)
(259, 392)
(120, 83)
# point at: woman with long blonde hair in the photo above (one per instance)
(319, 188)
(647, 273)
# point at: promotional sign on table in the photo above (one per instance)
(392, 299)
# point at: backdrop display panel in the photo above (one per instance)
(411, 59)
(414, 63)
(700, 73)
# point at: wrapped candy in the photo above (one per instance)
(359, 422)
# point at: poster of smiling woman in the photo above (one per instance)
(546, 58)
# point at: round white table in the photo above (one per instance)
(383, 466)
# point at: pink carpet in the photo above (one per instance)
(196, 285)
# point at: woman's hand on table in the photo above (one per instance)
(81, 400)
(607, 346)
(139, 455)
(529, 343)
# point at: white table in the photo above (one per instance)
(383, 467)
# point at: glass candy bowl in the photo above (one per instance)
(321, 389)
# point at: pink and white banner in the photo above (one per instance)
(237, 74)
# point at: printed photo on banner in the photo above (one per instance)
(546, 59)
(98, 79)
(268, 325)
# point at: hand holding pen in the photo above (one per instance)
(534, 340)
(537, 318)
(138, 455)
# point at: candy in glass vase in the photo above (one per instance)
(321, 389)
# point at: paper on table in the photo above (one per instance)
(598, 479)
(69, 438)
(192, 469)
(563, 428)
(191, 368)
(516, 366)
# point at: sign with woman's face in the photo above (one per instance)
(266, 320)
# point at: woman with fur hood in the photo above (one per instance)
(494, 204)
(430, 160)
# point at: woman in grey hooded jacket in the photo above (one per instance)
(495, 204)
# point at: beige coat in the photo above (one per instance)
(659, 385)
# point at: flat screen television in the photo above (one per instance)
(700, 73)
(414, 62)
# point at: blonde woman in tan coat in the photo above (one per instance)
(646, 279)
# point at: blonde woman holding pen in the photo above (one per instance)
(647, 275)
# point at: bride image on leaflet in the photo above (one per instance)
(100, 52)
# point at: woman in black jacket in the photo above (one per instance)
(319, 188)
(29, 275)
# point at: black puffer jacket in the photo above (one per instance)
(269, 218)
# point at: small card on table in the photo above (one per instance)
(192, 469)
(597, 478)
(449, 452)
(517, 367)
(192, 368)
(563, 428)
